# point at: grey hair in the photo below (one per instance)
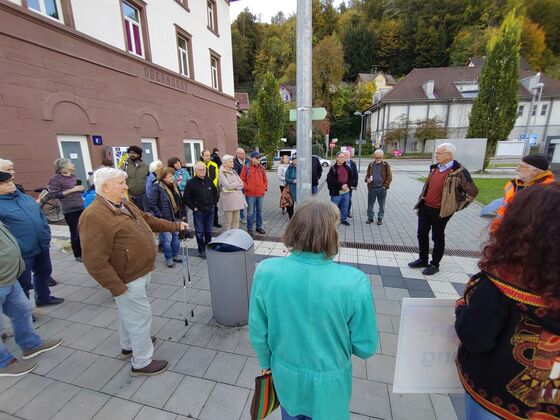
(154, 165)
(5, 164)
(379, 152)
(102, 175)
(198, 164)
(240, 149)
(340, 153)
(449, 147)
(226, 158)
(60, 164)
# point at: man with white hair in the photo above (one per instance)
(449, 188)
(378, 180)
(119, 251)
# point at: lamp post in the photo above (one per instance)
(360, 141)
(538, 86)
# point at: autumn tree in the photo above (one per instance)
(533, 44)
(429, 129)
(469, 42)
(389, 44)
(397, 132)
(270, 116)
(494, 110)
(328, 69)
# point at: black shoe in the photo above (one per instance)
(202, 255)
(52, 301)
(418, 263)
(217, 225)
(379, 222)
(261, 231)
(52, 282)
(369, 221)
(345, 223)
(127, 352)
(155, 367)
(251, 233)
(429, 270)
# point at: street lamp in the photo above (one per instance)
(538, 86)
(360, 141)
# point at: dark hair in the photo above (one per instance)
(107, 162)
(526, 242)
(163, 172)
(172, 161)
(134, 149)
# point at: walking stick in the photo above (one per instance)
(186, 277)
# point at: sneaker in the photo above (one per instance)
(178, 258)
(16, 368)
(52, 282)
(52, 301)
(202, 255)
(155, 367)
(46, 346)
(429, 270)
(345, 223)
(379, 222)
(369, 221)
(418, 263)
(78, 259)
(251, 233)
(170, 263)
(261, 231)
(217, 225)
(127, 352)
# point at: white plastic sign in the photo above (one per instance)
(73, 156)
(427, 348)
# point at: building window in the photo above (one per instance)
(184, 3)
(135, 29)
(49, 8)
(212, 16)
(520, 110)
(544, 109)
(184, 52)
(215, 71)
(534, 111)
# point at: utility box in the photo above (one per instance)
(231, 266)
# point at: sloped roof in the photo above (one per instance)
(242, 100)
(479, 61)
(409, 89)
(368, 77)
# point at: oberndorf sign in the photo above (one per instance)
(160, 78)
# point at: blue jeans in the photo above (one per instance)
(379, 194)
(342, 201)
(254, 209)
(314, 189)
(41, 267)
(17, 307)
(286, 416)
(475, 411)
(169, 244)
(203, 223)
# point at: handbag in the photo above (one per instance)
(286, 199)
(265, 400)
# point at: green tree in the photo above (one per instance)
(494, 110)
(469, 42)
(247, 129)
(359, 49)
(328, 69)
(547, 14)
(270, 116)
(389, 44)
(429, 129)
(241, 68)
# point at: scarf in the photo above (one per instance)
(174, 197)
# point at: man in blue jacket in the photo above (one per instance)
(24, 219)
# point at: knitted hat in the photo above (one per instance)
(5, 176)
(538, 161)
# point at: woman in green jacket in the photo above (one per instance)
(306, 326)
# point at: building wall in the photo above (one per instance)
(100, 19)
(58, 82)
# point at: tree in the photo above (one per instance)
(270, 116)
(364, 96)
(494, 110)
(533, 44)
(241, 69)
(469, 42)
(247, 129)
(429, 129)
(359, 49)
(328, 69)
(389, 44)
(397, 132)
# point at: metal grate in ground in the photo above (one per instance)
(382, 247)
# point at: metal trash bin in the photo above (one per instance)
(231, 266)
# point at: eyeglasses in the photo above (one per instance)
(441, 153)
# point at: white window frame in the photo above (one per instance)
(544, 109)
(520, 110)
(43, 10)
(210, 11)
(191, 143)
(153, 142)
(60, 138)
(130, 22)
(534, 110)
(214, 73)
(184, 60)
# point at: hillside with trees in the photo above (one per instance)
(368, 36)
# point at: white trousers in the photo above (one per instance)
(135, 322)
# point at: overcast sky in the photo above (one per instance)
(266, 8)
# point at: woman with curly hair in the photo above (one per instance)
(509, 318)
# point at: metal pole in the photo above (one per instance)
(360, 144)
(304, 98)
(532, 90)
(540, 86)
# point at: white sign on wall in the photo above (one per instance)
(427, 348)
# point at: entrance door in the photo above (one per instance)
(193, 151)
(75, 148)
(149, 148)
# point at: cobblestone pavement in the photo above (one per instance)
(212, 368)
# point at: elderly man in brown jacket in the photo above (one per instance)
(119, 251)
(449, 188)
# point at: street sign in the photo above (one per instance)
(97, 140)
(360, 141)
(318, 114)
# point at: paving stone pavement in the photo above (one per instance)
(211, 367)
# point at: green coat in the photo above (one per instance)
(11, 263)
(136, 180)
(307, 317)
